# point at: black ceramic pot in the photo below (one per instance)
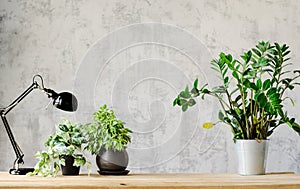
(69, 168)
(112, 160)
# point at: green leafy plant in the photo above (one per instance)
(252, 91)
(67, 141)
(106, 131)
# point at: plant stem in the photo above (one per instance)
(229, 99)
(243, 103)
(262, 123)
(220, 99)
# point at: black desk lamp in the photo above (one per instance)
(64, 101)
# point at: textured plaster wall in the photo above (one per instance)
(135, 56)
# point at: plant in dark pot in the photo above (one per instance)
(65, 148)
(107, 139)
(252, 96)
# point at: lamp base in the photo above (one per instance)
(20, 171)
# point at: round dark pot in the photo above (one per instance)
(69, 168)
(112, 160)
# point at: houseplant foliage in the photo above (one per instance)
(106, 131)
(107, 139)
(67, 141)
(252, 92)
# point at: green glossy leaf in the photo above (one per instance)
(280, 112)
(184, 107)
(291, 87)
(271, 91)
(266, 84)
(262, 61)
(270, 108)
(195, 91)
(259, 83)
(296, 127)
(182, 101)
(219, 89)
(262, 100)
(229, 57)
(274, 96)
(226, 58)
(221, 116)
(237, 110)
(250, 85)
(196, 83)
(185, 94)
(235, 75)
(186, 90)
(277, 46)
(224, 71)
(226, 80)
(247, 56)
(205, 91)
(256, 52)
(175, 102)
(191, 102)
(286, 53)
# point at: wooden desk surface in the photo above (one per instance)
(288, 181)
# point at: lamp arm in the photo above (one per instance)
(7, 109)
(3, 113)
(16, 147)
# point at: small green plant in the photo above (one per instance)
(67, 141)
(106, 131)
(252, 91)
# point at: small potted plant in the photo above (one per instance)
(65, 148)
(107, 139)
(251, 96)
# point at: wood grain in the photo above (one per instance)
(145, 181)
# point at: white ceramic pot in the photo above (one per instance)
(252, 156)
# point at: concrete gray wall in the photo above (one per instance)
(135, 56)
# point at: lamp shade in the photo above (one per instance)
(65, 101)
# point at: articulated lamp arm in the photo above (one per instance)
(3, 112)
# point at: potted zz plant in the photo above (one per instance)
(251, 96)
(107, 139)
(65, 149)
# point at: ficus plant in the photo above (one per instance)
(106, 131)
(68, 140)
(252, 92)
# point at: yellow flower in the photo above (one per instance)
(208, 125)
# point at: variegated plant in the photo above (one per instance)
(106, 131)
(252, 92)
(67, 140)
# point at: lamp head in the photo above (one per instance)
(64, 100)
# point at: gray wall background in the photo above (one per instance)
(135, 56)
